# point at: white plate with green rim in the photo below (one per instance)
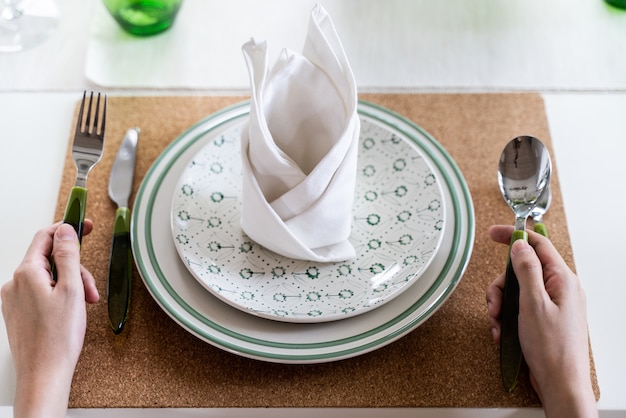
(186, 301)
(397, 226)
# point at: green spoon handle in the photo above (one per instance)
(510, 349)
(75, 216)
(540, 228)
(120, 271)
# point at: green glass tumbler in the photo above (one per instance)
(617, 3)
(144, 17)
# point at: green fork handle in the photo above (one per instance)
(510, 349)
(75, 216)
(75, 210)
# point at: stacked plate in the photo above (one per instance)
(413, 229)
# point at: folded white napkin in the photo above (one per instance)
(300, 149)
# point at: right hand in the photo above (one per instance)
(552, 324)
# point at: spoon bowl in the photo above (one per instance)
(523, 175)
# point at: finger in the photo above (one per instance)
(36, 262)
(89, 283)
(67, 257)
(496, 331)
(41, 245)
(546, 251)
(87, 226)
(528, 270)
(494, 296)
(501, 233)
(494, 306)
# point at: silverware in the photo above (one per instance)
(543, 204)
(86, 152)
(121, 262)
(523, 174)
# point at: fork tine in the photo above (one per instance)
(88, 120)
(95, 119)
(79, 121)
(104, 115)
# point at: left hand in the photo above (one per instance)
(46, 320)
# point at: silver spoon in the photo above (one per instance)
(543, 204)
(523, 174)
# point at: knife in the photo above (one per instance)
(121, 261)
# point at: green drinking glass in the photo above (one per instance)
(144, 17)
(617, 3)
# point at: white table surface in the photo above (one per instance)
(444, 46)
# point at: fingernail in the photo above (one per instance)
(520, 246)
(66, 232)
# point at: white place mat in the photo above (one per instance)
(392, 44)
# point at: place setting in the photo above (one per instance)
(311, 226)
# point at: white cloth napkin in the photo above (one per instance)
(299, 151)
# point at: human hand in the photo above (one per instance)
(552, 324)
(46, 320)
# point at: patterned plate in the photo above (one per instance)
(183, 299)
(398, 218)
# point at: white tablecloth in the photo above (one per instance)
(494, 45)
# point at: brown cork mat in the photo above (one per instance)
(449, 361)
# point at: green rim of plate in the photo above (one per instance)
(239, 110)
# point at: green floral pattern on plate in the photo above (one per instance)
(397, 228)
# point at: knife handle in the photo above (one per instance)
(75, 216)
(120, 271)
(510, 349)
(540, 228)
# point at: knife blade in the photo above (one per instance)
(121, 260)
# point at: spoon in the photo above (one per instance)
(540, 209)
(523, 174)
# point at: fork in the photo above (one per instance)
(86, 151)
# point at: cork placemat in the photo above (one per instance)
(449, 361)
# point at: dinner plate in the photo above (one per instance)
(184, 299)
(397, 226)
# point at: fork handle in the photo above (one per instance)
(75, 210)
(75, 216)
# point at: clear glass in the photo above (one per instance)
(26, 23)
(144, 17)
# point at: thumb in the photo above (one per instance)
(528, 270)
(66, 253)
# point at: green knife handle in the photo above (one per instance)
(540, 228)
(510, 349)
(120, 271)
(75, 216)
